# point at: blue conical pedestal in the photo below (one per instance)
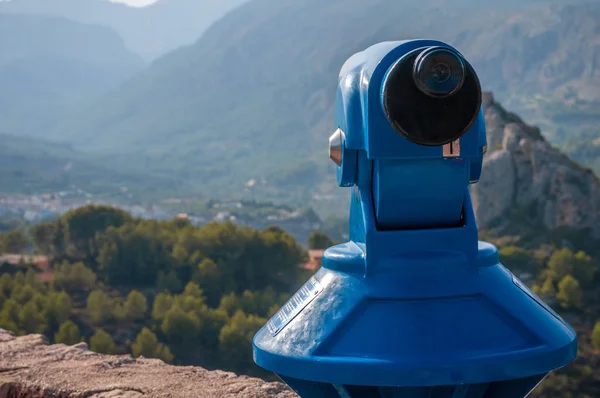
(414, 305)
(437, 328)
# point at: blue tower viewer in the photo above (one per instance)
(414, 305)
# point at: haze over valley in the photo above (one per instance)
(251, 97)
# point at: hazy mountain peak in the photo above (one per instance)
(48, 63)
(149, 31)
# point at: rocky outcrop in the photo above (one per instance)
(30, 368)
(524, 177)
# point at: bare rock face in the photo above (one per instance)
(524, 174)
(30, 368)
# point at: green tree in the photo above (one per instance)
(258, 303)
(193, 290)
(32, 279)
(15, 241)
(179, 327)
(136, 306)
(102, 342)
(9, 316)
(569, 292)
(58, 309)
(179, 223)
(583, 268)
(147, 344)
(31, 319)
(41, 301)
(73, 277)
(18, 279)
(100, 307)
(235, 340)
(180, 254)
(564, 262)
(117, 309)
(162, 304)
(22, 293)
(43, 236)
(213, 323)
(59, 242)
(548, 290)
(561, 262)
(541, 257)
(192, 298)
(247, 259)
(133, 254)
(168, 281)
(596, 336)
(319, 241)
(230, 303)
(208, 277)
(83, 224)
(517, 259)
(6, 285)
(68, 334)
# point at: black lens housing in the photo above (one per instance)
(439, 72)
(426, 102)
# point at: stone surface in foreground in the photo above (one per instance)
(30, 368)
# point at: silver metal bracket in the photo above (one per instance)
(451, 150)
(336, 144)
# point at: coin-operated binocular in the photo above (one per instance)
(413, 306)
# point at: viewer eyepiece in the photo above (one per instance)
(431, 95)
(439, 72)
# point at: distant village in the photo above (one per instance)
(40, 207)
(45, 206)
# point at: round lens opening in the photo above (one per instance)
(439, 72)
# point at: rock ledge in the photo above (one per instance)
(30, 368)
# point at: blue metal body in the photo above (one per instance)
(413, 306)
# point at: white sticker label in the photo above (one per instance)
(294, 306)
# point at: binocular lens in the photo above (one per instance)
(431, 95)
(439, 72)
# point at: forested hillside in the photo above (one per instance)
(185, 294)
(197, 295)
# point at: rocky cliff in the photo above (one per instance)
(524, 178)
(30, 368)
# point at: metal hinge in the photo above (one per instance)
(451, 150)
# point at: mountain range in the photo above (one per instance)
(50, 64)
(528, 187)
(253, 97)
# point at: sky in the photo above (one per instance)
(135, 3)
